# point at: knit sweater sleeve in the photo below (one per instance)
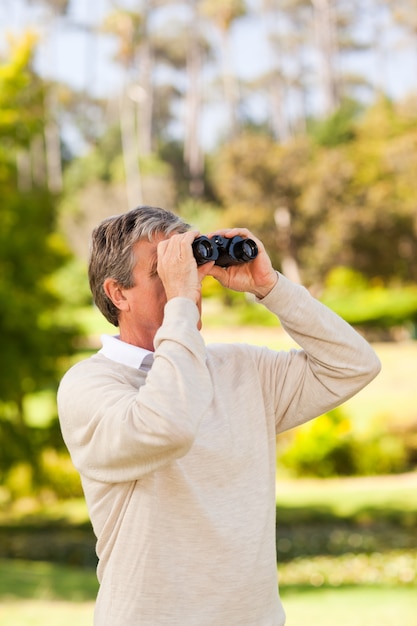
(333, 364)
(118, 426)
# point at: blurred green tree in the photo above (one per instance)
(360, 196)
(259, 182)
(342, 196)
(35, 332)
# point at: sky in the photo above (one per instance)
(65, 56)
(71, 56)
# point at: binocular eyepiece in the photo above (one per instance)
(223, 251)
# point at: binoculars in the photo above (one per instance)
(223, 251)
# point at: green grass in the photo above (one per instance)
(39, 594)
(385, 497)
(46, 613)
(351, 606)
(359, 606)
(338, 519)
(392, 395)
(39, 580)
(394, 568)
(340, 578)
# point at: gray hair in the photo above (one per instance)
(111, 249)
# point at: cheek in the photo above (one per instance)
(159, 295)
(160, 290)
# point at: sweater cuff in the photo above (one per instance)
(285, 297)
(184, 308)
(181, 317)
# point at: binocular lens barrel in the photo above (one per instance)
(246, 250)
(223, 251)
(204, 249)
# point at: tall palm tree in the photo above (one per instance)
(193, 152)
(327, 44)
(287, 26)
(404, 13)
(128, 28)
(46, 150)
(224, 13)
(134, 53)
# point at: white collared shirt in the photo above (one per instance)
(125, 353)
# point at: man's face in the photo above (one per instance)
(146, 299)
(143, 308)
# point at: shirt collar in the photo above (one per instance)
(125, 353)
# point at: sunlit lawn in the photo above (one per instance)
(33, 593)
(374, 585)
(383, 496)
(355, 587)
(46, 613)
(351, 606)
(320, 607)
(39, 594)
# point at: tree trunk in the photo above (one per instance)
(53, 157)
(37, 154)
(145, 100)
(278, 88)
(326, 38)
(193, 153)
(289, 264)
(130, 152)
(24, 173)
(230, 86)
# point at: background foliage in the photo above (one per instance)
(34, 335)
(330, 189)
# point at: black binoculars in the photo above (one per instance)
(224, 251)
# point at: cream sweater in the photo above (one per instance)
(178, 466)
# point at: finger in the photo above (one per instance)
(205, 269)
(219, 273)
(232, 232)
(177, 243)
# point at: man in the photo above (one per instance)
(175, 440)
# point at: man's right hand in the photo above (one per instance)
(177, 267)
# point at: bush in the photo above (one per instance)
(60, 476)
(328, 447)
(55, 475)
(370, 305)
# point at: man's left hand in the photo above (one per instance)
(257, 277)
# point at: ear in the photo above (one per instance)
(115, 292)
